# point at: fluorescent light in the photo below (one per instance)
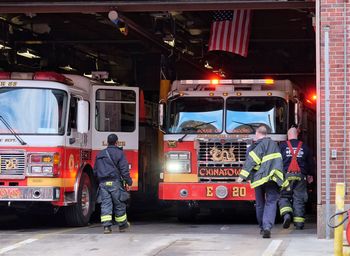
(28, 54)
(4, 47)
(111, 81)
(68, 68)
(88, 75)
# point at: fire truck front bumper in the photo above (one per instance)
(206, 191)
(43, 194)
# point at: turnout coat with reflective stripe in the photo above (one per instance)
(263, 163)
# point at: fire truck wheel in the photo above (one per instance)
(79, 214)
(186, 213)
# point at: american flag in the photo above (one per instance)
(230, 31)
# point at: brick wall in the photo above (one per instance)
(332, 15)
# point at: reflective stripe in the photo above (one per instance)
(244, 173)
(256, 168)
(105, 218)
(278, 173)
(271, 156)
(299, 219)
(109, 183)
(285, 210)
(285, 184)
(255, 157)
(294, 178)
(121, 218)
(273, 175)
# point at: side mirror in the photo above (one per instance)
(161, 116)
(83, 116)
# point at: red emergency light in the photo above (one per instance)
(41, 76)
(5, 75)
(50, 76)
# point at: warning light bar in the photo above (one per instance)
(229, 81)
(41, 75)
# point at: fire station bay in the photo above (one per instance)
(194, 127)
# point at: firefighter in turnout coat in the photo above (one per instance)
(263, 167)
(112, 169)
(298, 166)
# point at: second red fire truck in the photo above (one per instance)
(208, 126)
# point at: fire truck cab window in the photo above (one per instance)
(115, 110)
(245, 114)
(196, 115)
(46, 116)
(72, 119)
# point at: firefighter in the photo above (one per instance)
(298, 166)
(263, 167)
(112, 169)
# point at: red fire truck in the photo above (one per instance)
(208, 126)
(51, 128)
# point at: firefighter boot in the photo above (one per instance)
(107, 230)
(286, 220)
(124, 227)
(266, 233)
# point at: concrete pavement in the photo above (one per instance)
(162, 236)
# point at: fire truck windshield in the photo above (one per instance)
(245, 114)
(196, 115)
(33, 110)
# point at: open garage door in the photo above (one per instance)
(139, 43)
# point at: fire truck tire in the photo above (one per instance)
(78, 215)
(186, 213)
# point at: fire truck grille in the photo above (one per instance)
(217, 154)
(12, 163)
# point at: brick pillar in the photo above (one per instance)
(332, 14)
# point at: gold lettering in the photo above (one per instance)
(210, 191)
(239, 192)
(242, 191)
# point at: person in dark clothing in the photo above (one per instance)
(298, 166)
(112, 169)
(263, 167)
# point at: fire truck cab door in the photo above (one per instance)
(116, 110)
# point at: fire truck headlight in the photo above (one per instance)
(178, 162)
(178, 166)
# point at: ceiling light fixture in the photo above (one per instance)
(111, 81)
(28, 54)
(68, 68)
(207, 65)
(88, 75)
(4, 47)
(170, 40)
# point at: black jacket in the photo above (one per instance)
(263, 163)
(304, 158)
(105, 170)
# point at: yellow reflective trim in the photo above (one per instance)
(285, 209)
(285, 184)
(105, 218)
(244, 173)
(257, 167)
(293, 178)
(278, 173)
(109, 183)
(299, 219)
(271, 156)
(51, 182)
(121, 218)
(255, 157)
(271, 176)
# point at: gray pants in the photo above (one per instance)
(293, 201)
(110, 194)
